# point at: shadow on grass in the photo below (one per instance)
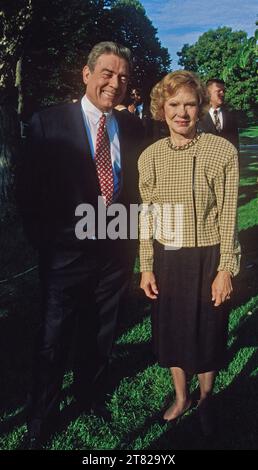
(235, 405)
(18, 331)
(235, 408)
(248, 170)
(247, 193)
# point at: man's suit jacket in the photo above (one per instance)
(58, 173)
(147, 123)
(230, 129)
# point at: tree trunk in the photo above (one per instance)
(9, 138)
(10, 132)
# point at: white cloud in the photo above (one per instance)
(178, 13)
(183, 21)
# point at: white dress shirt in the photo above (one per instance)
(139, 109)
(91, 116)
(220, 116)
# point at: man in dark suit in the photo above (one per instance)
(141, 108)
(219, 120)
(76, 154)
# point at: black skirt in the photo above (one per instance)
(187, 330)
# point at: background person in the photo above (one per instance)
(219, 120)
(140, 108)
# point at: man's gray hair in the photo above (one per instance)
(108, 47)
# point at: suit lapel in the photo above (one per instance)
(82, 143)
(211, 123)
(224, 117)
(78, 130)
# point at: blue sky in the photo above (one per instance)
(181, 22)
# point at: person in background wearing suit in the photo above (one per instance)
(219, 120)
(141, 109)
(76, 153)
(136, 105)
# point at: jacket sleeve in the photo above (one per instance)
(226, 189)
(146, 186)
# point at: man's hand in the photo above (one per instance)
(221, 288)
(148, 284)
(131, 108)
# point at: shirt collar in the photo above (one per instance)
(215, 109)
(94, 113)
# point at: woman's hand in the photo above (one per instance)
(221, 288)
(148, 284)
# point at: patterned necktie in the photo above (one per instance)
(103, 162)
(217, 121)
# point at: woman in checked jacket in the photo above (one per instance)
(188, 264)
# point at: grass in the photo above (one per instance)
(139, 388)
(248, 215)
(251, 132)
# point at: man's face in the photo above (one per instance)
(107, 83)
(216, 92)
(136, 96)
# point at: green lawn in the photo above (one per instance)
(139, 388)
(249, 132)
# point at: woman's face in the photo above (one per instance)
(181, 112)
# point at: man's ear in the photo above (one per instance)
(85, 74)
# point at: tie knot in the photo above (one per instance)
(102, 125)
(102, 120)
(217, 122)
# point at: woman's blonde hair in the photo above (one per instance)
(169, 85)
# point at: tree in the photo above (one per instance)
(229, 55)
(213, 50)
(241, 73)
(44, 46)
(132, 27)
(16, 17)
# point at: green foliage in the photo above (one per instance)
(61, 37)
(54, 38)
(231, 56)
(151, 60)
(211, 53)
(15, 21)
(248, 215)
(43, 48)
(241, 74)
(128, 3)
